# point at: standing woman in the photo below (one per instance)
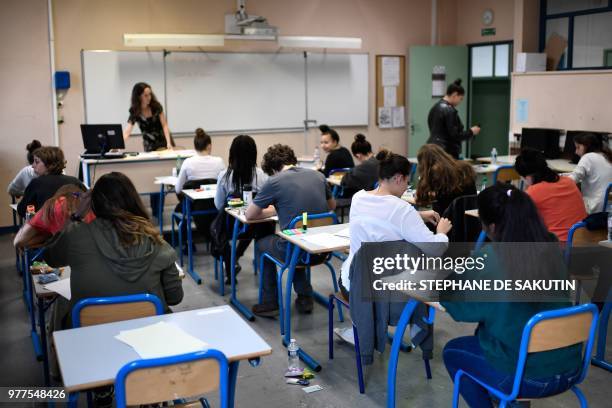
(445, 127)
(148, 113)
(338, 157)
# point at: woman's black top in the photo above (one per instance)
(362, 177)
(152, 132)
(446, 129)
(338, 159)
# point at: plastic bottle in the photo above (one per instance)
(30, 211)
(247, 194)
(294, 359)
(316, 156)
(177, 169)
(485, 181)
(494, 156)
(610, 222)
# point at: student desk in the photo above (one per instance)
(240, 226)
(299, 246)
(91, 357)
(45, 299)
(558, 165)
(138, 168)
(190, 196)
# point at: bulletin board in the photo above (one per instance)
(390, 91)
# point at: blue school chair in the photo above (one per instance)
(547, 331)
(606, 198)
(482, 237)
(579, 234)
(156, 380)
(314, 220)
(599, 359)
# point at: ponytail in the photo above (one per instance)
(390, 164)
(455, 87)
(361, 145)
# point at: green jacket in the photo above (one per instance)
(101, 266)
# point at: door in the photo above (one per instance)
(490, 102)
(422, 60)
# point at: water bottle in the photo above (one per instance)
(316, 156)
(294, 359)
(485, 181)
(177, 169)
(247, 194)
(30, 212)
(610, 222)
(494, 156)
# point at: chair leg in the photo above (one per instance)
(358, 361)
(261, 266)
(427, 369)
(279, 292)
(581, 398)
(336, 289)
(457, 382)
(330, 326)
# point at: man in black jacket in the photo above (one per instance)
(445, 127)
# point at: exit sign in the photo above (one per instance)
(487, 31)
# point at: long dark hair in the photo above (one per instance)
(390, 164)
(31, 147)
(114, 198)
(135, 109)
(593, 144)
(532, 162)
(514, 214)
(242, 162)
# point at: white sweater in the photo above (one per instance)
(387, 218)
(594, 173)
(199, 167)
(21, 181)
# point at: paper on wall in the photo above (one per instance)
(522, 110)
(398, 118)
(160, 340)
(61, 287)
(384, 118)
(390, 96)
(390, 71)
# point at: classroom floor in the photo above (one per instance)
(264, 386)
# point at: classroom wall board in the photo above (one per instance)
(571, 100)
(108, 79)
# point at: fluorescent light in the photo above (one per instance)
(173, 40)
(319, 42)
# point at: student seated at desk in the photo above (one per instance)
(381, 215)
(67, 203)
(289, 192)
(365, 174)
(557, 198)
(26, 174)
(442, 178)
(594, 170)
(338, 156)
(202, 165)
(241, 171)
(491, 354)
(119, 253)
(48, 165)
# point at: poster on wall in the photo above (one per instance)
(390, 71)
(385, 119)
(522, 110)
(438, 81)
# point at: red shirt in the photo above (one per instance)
(560, 205)
(56, 223)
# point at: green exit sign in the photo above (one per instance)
(487, 31)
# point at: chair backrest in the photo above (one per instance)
(169, 378)
(92, 311)
(505, 174)
(315, 220)
(607, 197)
(556, 329)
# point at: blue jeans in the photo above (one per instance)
(465, 353)
(277, 247)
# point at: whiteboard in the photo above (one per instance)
(338, 89)
(235, 91)
(108, 79)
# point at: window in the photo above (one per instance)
(490, 60)
(592, 38)
(568, 6)
(558, 26)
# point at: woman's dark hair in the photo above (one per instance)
(52, 157)
(242, 162)
(593, 143)
(135, 109)
(326, 130)
(114, 198)
(201, 140)
(35, 144)
(361, 145)
(276, 157)
(503, 205)
(455, 87)
(532, 162)
(390, 164)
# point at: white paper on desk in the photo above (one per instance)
(325, 239)
(61, 287)
(167, 180)
(390, 96)
(160, 340)
(344, 233)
